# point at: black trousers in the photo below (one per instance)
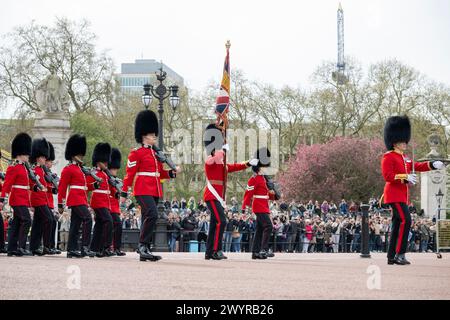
(80, 217)
(2, 233)
(217, 224)
(41, 228)
(117, 230)
(54, 225)
(401, 223)
(19, 228)
(262, 234)
(102, 236)
(149, 215)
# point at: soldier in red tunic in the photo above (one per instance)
(17, 186)
(52, 189)
(72, 192)
(100, 202)
(42, 219)
(398, 172)
(2, 230)
(114, 166)
(143, 174)
(213, 194)
(258, 195)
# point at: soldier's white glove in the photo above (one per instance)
(438, 165)
(253, 162)
(412, 178)
(226, 147)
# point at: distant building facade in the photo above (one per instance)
(134, 75)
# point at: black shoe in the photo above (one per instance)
(109, 253)
(37, 252)
(3, 250)
(260, 256)
(402, 257)
(221, 255)
(119, 253)
(100, 254)
(25, 252)
(86, 252)
(208, 256)
(391, 261)
(55, 251)
(48, 251)
(144, 255)
(15, 253)
(74, 254)
(149, 251)
(398, 260)
(268, 254)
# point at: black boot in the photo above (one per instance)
(3, 250)
(109, 253)
(143, 254)
(260, 255)
(74, 254)
(85, 252)
(403, 258)
(100, 254)
(48, 251)
(208, 256)
(269, 253)
(221, 255)
(398, 260)
(55, 251)
(149, 250)
(16, 253)
(25, 252)
(37, 252)
(119, 253)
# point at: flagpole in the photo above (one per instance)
(224, 133)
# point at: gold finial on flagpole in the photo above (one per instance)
(228, 44)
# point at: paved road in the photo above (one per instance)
(189, 276)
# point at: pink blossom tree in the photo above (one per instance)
(344, 167)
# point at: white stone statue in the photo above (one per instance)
(51, 94)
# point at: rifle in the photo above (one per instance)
(163, 158)
(116, 182)
(33, 176)
(272, 185)
(51, 177)
(88, 171)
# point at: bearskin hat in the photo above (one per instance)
(146, 122)
(212, 138)
(102, 153)
(263, 155)
(76, 145)
(51, 153)
(39, 148)
(397, 129)
(21, 145)
(116, 159)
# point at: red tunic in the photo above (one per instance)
(258, 192)
(72, 176)
(215, 173)
(144, 173)
(100, 196)
(395, 167)
(115, 208)
(39, 197)
(51, 202)
(17, 185)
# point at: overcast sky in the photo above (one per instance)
(279, 41)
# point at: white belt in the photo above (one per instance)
(215, 194)
(18, 186)
(261, 197)
(148, 174)
(78, 187)
(102, 191)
